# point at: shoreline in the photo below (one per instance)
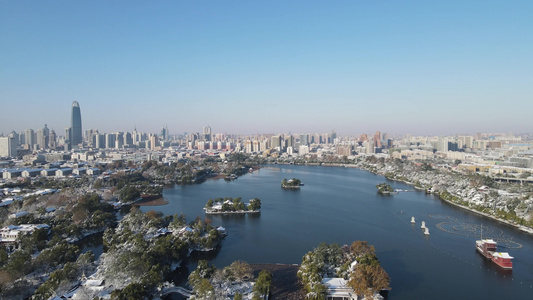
(517, 226)
(151, 202)
(285, 282)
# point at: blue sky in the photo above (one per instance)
(418, 67)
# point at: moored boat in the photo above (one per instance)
(502, 259)
(488, 248)
(485, 247)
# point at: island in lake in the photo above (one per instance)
(291, 183)
(230, 205)
(384, 189)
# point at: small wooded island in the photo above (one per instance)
(291, 183)
(230, 205)
(384, 189)
(346, 272)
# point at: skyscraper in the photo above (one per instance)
(30, 139)
(207, 133)
(75, 124)
(43, 136)
(8, 147)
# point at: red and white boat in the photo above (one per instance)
(502, 259)
(488, 248)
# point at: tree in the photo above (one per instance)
(129, 193)
(369, 279)
(134, 291)
(237, 296)
(256, 297)
(203, 271)
(3, 255)
(204, 289)
(318, 292)
(384, 188)
(6, 279)
(263, 282)
(255, 204)
(19, 264)
(239, 206)
(361, 248)
(241, 269)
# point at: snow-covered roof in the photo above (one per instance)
(186, 228)
(93, 282)
(334, 283)
(337, 288)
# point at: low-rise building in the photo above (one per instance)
(13, 173)
(93, 171)
(10, 234)
(18, 214)
(64, 172)
(31, 172)
(49, 172)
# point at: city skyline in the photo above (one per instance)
(245, 68)
(75, 137)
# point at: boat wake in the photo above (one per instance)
(458, 227)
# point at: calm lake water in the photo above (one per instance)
(340, 205)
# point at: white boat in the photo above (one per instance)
(426, 232)
(423, 225)
(413, 220)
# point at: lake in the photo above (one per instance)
(341, 205)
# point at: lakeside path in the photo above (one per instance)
(285, 284)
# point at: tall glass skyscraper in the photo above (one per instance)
(75, 125)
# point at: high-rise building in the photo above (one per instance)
(110, 140)
(377, 139)
(89, 135)
(164, 133)
(43, 136)
(275, 142)
(207, 133)
(52, 140)
(128, 139)
(119, 142)
(22, 138)
(332, 137)
(30, 139)
(15, 136)
(75, 125)
(304, 139)
(8, 147)
(99, 140)
(289, 141)
(248, 148)
(154, 142)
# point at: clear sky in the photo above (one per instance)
(419, 67)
